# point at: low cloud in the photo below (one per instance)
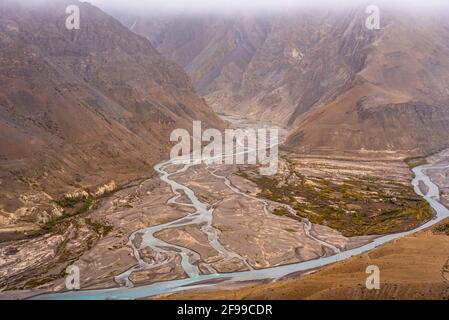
(224, 6)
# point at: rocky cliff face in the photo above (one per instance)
(398, 100)
(80, 108)
(339, 86)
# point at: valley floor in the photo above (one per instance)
(414, 267)
(141, 235)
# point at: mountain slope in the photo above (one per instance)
(339, 86)
(81, 108)
(399, 100)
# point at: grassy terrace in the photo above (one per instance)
(356, 206)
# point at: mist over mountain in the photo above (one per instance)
(267, 7)
(337, 85)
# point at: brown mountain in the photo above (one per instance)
(339, 86)
(81, 108)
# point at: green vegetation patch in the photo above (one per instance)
(74, 207)
(281, 211)
(77, 208)
(356, 206)
(442, 228)
(100, 228)
(68, 202)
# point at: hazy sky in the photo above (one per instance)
(246, 5)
